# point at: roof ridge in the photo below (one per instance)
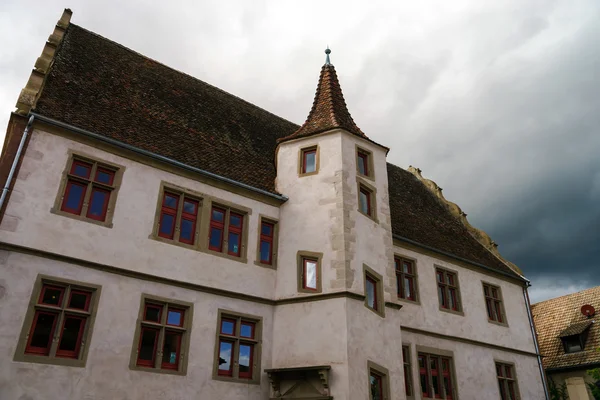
(183, 73)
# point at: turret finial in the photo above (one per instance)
(328, 52)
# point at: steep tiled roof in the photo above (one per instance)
(103, 87)
(562, 316)
(329, 110)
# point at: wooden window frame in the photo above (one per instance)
(494, 304)
(301, 256)
(236, 339)
(263, 219)
(506, 374)
(447, 289)
(383, 374)
(411, 276)
(441, 358)
(163, 328)
(52, 354)
(407, 366)
(90, 184)
(367, 157)
(370, 274)
(362, 186)
(178, 215)
(302, 160)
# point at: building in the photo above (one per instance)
(569, 339)
(161, 238)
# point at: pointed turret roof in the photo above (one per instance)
(329, 110)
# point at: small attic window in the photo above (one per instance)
(572, 344)
(575, 336)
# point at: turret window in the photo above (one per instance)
(309, 272)
(309, 161)
(364, 163)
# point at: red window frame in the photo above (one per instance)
(367, 194)
(493, 303)
(41, 350)
(60, 299)
(102, 216)
(403, 276)
(64, 207)
(71, 353)
(148, 363)
(375, 300)
(305, 154)
(305, 261)
(423, 374)
(365, 159)
(84, 164)
(171, 366)
(247, 374)
(447, 290)
(177, 310)
(88, 296)
(167, 210)
(447, 377)
(252, 326)
(106, 171)
(156, 306)
(236, 230)
(407, 371)
(228, 372)
(506, 381)
(435, 373)
(266, 239)
(378, 380)
(192, 217)
(216, 225)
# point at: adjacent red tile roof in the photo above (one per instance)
(562, 316)
(101, 86)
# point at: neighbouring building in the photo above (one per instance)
(163, 239)
(569, 339)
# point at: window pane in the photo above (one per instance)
(453, 299)
(52, 296)
(171, 350)
(408, 288)
(310, 274)
(167, 225)
(217, 215)
(235, 220)
(486, 291)
(447, 386)
(70, 334)
(502, 389)
(424, 388)
(189, 207)
(175, 317)
(440, 276)
(79, 300)
(266, 229)
(147, 346)
(442, 296)
(227, 327)
(310, 164)
(104, 176)
(265, 251)
(488, 306)
(81, 169)
(361, 164)
(407, 267)
(216, 237)
(74, 197)
(171, 201)
(494, 293)
(225, 353)
(371, 301)
(152, 313)
(450, 279)
(187, 230)
(42, 334)
(234, 243)
(376, 387)
(98, 202)
(247, 330)
(245, 360)
(364, 202)
(511, 391)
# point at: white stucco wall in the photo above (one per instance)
(28, 221)
(107, 375)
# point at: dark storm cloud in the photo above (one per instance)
(498, 102)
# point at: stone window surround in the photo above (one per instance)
(300, 256)
(256, 369)
(41, 280)
(460, 311)
(370, 168)
(378, 278)
(274, 248)
(185, 341)
(441, 353)
(205, 205)
(385, 381)
(117, 181)
(301, 152)
(401, 257)
(501, 298)
(361, 183)
(514, 370)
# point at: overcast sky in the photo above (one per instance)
(496, 101)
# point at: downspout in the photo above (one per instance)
(13, 168)
(535, 342)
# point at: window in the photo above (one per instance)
(309, 272)
(573, 344)
(507, 381)
(367, 204)
(373, 291)
(309, 161)
(178, 217)
(266, 251)
(436, 376)
(227, 231)
(408, 386)
(58, 324)
(378, 382)
(493, 303)
(237, 353)
(162, 336)
(364, 162)
(406, 278)
(88, 190)
(448, 292)
(365, 201)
